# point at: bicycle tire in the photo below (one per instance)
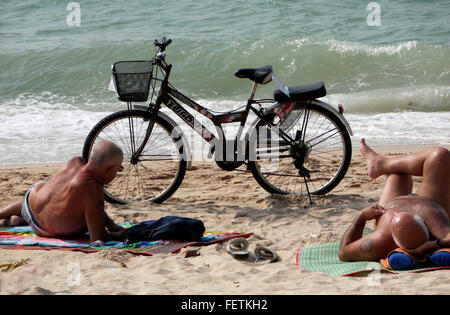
(154, 171)
(267, 178)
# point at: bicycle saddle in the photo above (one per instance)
(301, 93)
(261, 75)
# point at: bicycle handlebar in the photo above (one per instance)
(163, 44)
(159, 58)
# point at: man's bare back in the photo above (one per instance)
(60, 204)
(72, 201)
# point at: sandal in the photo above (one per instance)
(265, 253)
(238, 248)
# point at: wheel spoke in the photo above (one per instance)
(153, 175)
(322, 147)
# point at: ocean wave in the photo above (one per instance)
(47, 127)
(205, 68)
(345, 47)
(419, 99)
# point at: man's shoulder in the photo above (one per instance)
(85, 186)
(81, 182)
(72, 166)
(76, 161)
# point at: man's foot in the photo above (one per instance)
(373, 160)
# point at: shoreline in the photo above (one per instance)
(397, 149)
(226, 201)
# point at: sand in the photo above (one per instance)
(229, 201)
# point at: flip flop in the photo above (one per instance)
(265, 253)
(238, 248)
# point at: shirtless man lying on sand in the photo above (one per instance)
(71, 202)
(418, 224)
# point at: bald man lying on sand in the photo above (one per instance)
(71, 202)
(418, 224)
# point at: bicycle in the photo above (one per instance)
(297, 142)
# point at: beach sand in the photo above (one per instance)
(225, 201)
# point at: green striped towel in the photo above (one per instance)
(324, 257)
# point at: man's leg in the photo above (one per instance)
(436, 178)
(411, 164)
(433, 164)
(396, 185)
(11, 215)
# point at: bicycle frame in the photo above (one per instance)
(171, 98)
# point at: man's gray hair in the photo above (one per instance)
(105, 153)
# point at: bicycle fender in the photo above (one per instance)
(335, 111)
(187, 155)
(317, 102)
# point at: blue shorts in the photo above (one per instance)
(28, 216)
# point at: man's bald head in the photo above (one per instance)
(408, 230)
(106, 154)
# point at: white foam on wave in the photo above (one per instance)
(36, 130)
(402, 128)
(425, 98)
(41, 128)
(371, 50)
(391, 128)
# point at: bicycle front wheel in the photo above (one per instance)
(159, 170)
(319, 153)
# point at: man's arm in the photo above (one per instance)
(430, 246)
(111, 226)
(353, 246)
(445, 242)
(95, 221)
(96, 218)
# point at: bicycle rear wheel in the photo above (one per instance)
(321, 150)
(158, 171)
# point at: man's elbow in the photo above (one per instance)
(343, 255)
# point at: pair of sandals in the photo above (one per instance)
(238, 248)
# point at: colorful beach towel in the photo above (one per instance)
(24, 238)
(324, 257)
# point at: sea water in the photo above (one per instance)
(387, 62)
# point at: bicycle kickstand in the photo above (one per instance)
(304, 172)
(307, 189)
